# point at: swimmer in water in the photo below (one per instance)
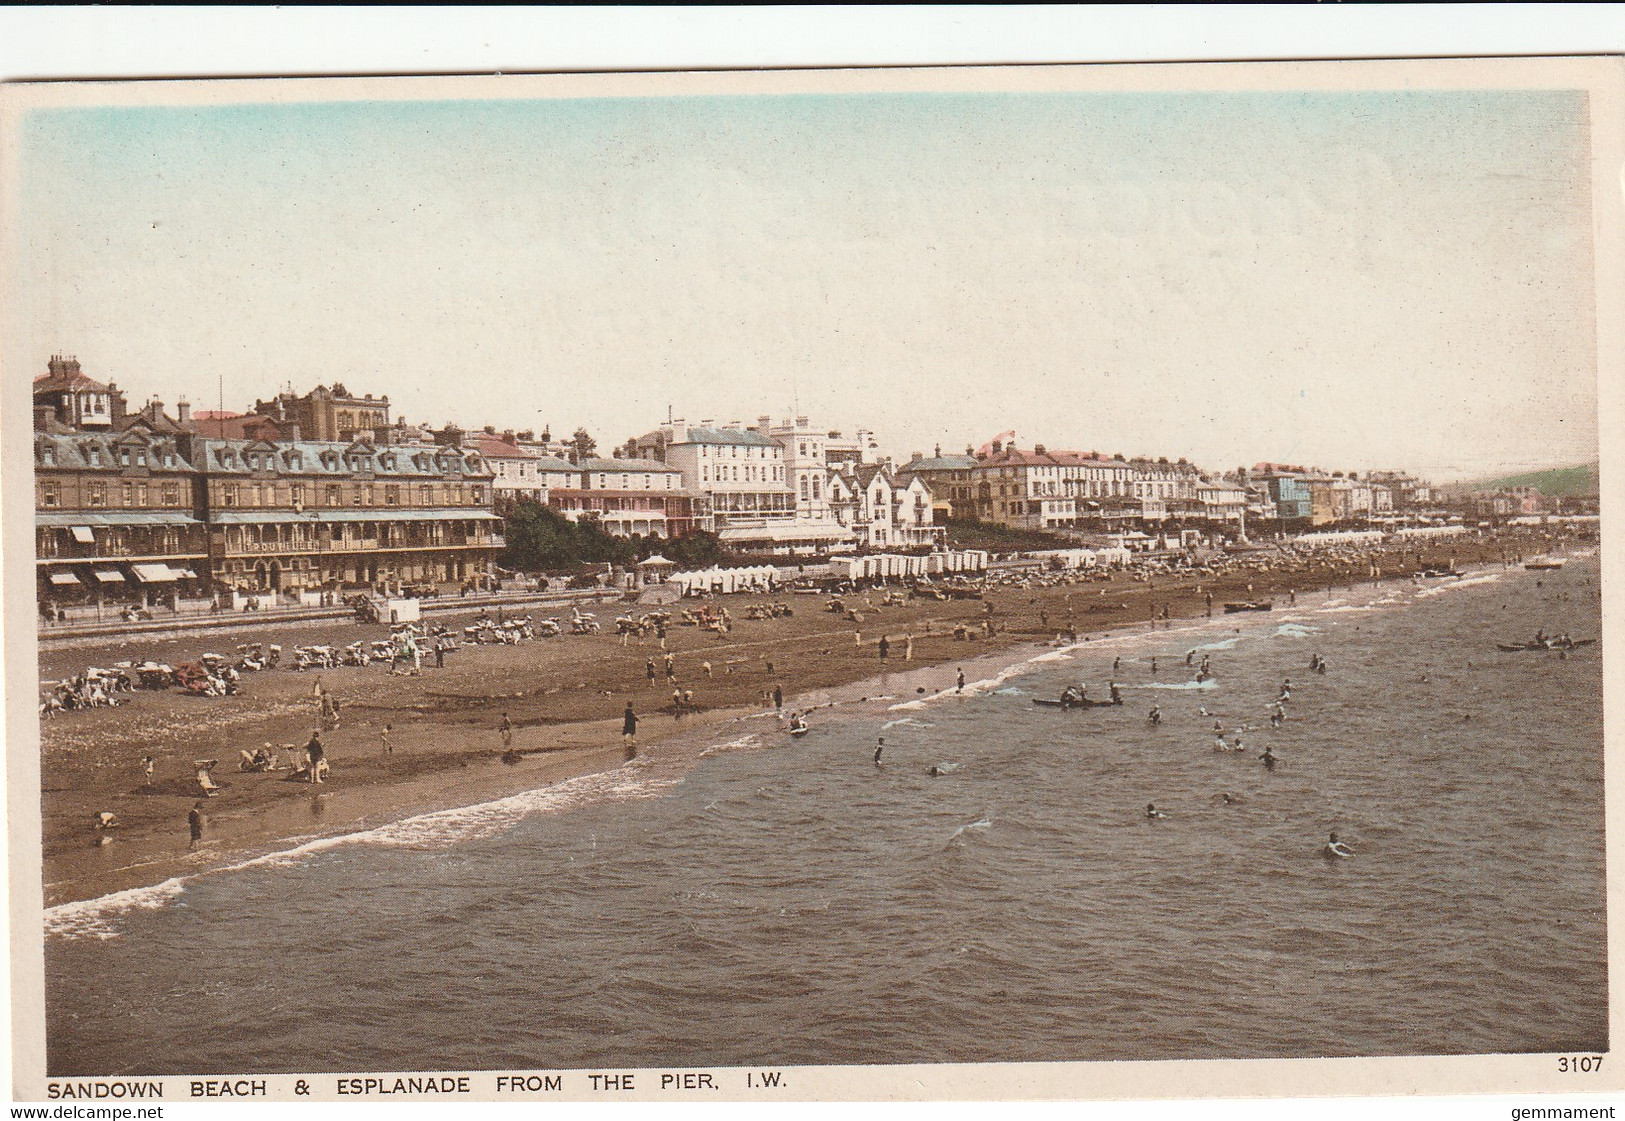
(1155, 715)
(1151, 811)
(879, 747)
(1334, 849)
(1268, 758)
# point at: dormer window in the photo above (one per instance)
(47, 455)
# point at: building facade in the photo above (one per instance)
(631, 497)
(117, 517)
(304, 515)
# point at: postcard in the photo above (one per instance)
(953, 582)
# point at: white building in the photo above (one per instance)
(740, 475)
(883, 510)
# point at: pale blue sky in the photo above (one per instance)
(1349, 279)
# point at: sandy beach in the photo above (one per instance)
(563, 695)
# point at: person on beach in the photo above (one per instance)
(960, 688)
(1320, 667)
(315, 756)
(649, 669)
(885, 647)
(1268, 758)
(1153, 663)
(1335, 849)
(705, 668)
(194, 821)
(879, 747)
(1117, 694)
(778, 698)
(383, 738)
(505, 729)
(1117, 664)
(1154, 717)
(147, 766)
(629, 726)
(1278, 716)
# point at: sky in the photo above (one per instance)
(1351, 280)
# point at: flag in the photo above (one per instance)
(999, 439)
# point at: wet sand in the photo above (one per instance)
(564, 696)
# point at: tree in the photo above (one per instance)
(583, 444)
(697, 549)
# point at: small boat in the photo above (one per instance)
(1232, 608)
(1543, 564)
(1437, 573)
(1074, 703)
(1548, 644)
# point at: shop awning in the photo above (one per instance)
(154, 573)
(185, 574)
(109, 575)
(84, 535)
(113, 517)
(366, 514)
(64, 578)
(788, 532)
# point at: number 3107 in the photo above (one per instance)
(1578, 1064)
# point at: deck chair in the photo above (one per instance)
(209, 787)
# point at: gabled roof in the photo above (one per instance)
(941, 463)
(69, 382)
(72, 449)
(866, 473)
(492, 446)
(641, 465)
(741, 437)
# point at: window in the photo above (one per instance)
(392, 495)
(141, 494)
(479, 496)
(47, 455)
(228, 494)
(49, 495)
(296, 494)
(426, 495)
(129, 496)
(171, 494)
(334, 497)
(98, 495)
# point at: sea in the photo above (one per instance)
(743, 897)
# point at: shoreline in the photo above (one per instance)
(576, 750)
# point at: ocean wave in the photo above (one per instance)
(1295, 630)
(96, 918)
(1464, 582)
(977, 826)
(906, 722)
(93, 918)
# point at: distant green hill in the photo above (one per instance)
(1560, 482)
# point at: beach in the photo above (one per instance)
(564, 696)
(993, 890)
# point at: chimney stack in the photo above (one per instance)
(183, 411)
(44, 416)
